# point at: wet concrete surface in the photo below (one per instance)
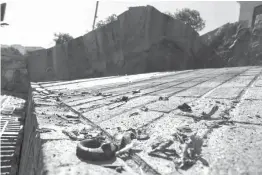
(231, 135)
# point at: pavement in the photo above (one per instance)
(223, 128)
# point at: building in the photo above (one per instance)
(249, 10)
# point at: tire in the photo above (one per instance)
(93, 150)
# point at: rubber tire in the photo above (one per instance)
(91, 149)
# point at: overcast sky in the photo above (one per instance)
(34, 22)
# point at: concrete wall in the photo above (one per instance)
(246, 11)
(135, 43)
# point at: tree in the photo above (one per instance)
(61, 38)
(106, 21)
(190, 17)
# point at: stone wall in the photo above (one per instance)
(141, 40)
(14, 75)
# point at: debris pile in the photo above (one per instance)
(183, 148)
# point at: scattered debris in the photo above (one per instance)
(118, 168)
(98, 94)
(185, 108)
(160, 146)
(71, 115)
(145, 109)
(139, 134)
(190, 152)
(84, 133)
(127, 148)
(44, 130)
(123, 98)
(163, 98)
(208, 116)
(185, 128)
(133, 114)
(136, 91)
(107, 95)
(103, 94)
(71, 135)
(83, 93)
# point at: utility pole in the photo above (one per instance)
(97, 2)
(3, 7)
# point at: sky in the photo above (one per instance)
(34, 22)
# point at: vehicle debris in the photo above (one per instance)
(95, 150)
(185, 107)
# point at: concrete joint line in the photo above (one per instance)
(212, 90)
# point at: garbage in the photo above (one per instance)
(185, 108)
(133, 114)
(145, 109)
(118, 168)
(71, 115)
(71, 135)
(163, 98)
(123, 98)
(103, 94)
(139, 134)
(44, 130)
(136, 91)
(84, 133)
(98, 94)
(127, 148)
(185, 128)
(208, 116)
(190, 152)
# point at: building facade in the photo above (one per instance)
(249, 12)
